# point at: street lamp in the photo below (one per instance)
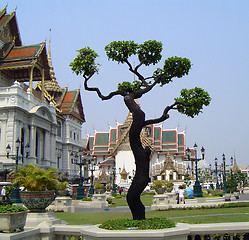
(91, 168)
(15, 194)
(80, 160)
(113, 181)
(197, 186)
(224, 173)
(216, 171)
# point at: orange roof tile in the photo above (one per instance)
(69, 97)
(66, 105)
(2, 19)
(23, 52)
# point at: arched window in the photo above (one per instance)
(59, 129)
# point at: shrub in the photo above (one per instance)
(11, 208)
(169, 184)
(33, 178)
(99, 186)
(149, 223)
(108, 187)
(157, 184)
(88, 199)
(109, 200)
(118, 196)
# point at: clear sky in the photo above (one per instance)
(213, 34)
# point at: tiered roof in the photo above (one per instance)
(31, 63)
(156, 138)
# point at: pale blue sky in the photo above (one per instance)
(213, 34)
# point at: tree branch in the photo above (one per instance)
(164, 116)
(140, 77)
(94, 89)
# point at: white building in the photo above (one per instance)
(112, 150)
(33, 107)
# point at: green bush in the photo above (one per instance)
(87, 199)
(109, 200)
(158, 184)
(149, 223)
(148, 193)
(11, 208)
(118, 196)
(99, 186)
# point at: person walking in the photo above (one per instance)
(181, 193)
(3, 193)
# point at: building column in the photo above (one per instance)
(47, 146)
(32, 144)
(53, 157)
(174, 175)
(31, 79)
(3, 138)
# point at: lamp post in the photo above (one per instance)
(15, 194)
(216, 171)
(197, 187)
(224, 173)
(114, 191)
(80, 160)
(91, 168)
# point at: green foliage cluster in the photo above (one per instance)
(215, 192)
(84, 63)
(33, 178)
(11, 208)
(118, 196)
(149, 223)
(87, 199)
(192, 101)
(108, 187)
(120, 51)
(234, 205)
(129, 87)
(234, 180)
(109, 200)
(99, 186)
(158, 184)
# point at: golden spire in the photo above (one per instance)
(53, 84)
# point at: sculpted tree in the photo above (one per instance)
(190, 102)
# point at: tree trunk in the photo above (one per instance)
(142, 158)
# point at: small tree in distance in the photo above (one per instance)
(190, 102)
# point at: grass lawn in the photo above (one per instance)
(98, 218)
(121, 202)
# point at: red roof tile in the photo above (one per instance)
(23, 52)
(2, 19)
(69, 97)
(66, 105)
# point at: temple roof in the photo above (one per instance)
(70, 103)
(8, 23)
(21, 59)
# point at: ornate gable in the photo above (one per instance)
(168, 164)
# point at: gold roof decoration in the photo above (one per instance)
(124, 174)
(103, 177)
(52, 85)
(126, 126)
(235, 166)
(168, 164)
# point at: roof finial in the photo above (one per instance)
(49, 45)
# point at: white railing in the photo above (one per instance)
(219, 231)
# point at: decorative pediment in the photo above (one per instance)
(168, 164)
(42, 112)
